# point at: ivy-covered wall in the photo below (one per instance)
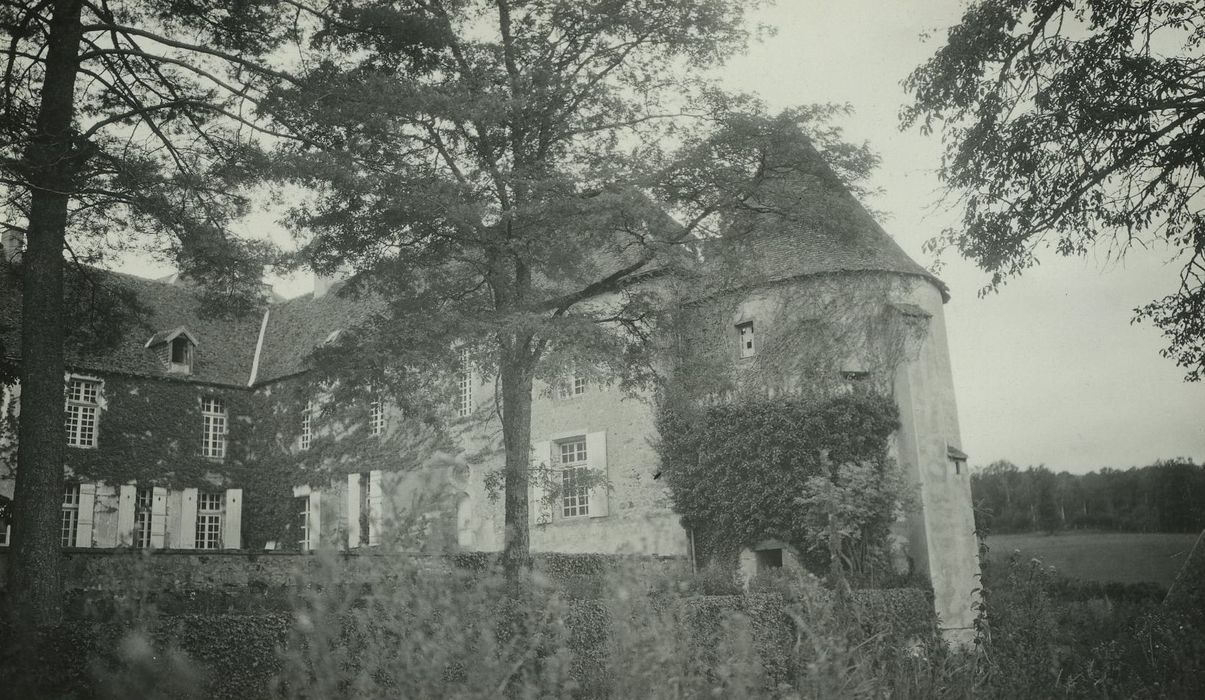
(741, 472)
(150, 431)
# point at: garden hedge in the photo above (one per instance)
(235, 655)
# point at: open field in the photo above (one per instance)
(1127, 557)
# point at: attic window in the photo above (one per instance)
(745, 335)
(176, 349)
(181, 358)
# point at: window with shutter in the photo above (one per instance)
(209, 521)
(70, 519)
(575, 478)
(143, 506)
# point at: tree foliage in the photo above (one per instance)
(512, 191)
(760, 469)
(163, 136)
(1076, 124)
(125, 125)
(1166, 496)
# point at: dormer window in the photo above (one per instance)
(176, 349)
(181, 355)
(745, 335)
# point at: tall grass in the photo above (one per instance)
(417, 633)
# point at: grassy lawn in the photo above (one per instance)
(1127, 557)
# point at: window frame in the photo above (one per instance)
(574, 387)
(464, 385)
(573, 462)
(306, 436)
(69, 515)
(82, 412)
(215, 424)
(376, 417)
(748, 348)
(183, 366)
(209, 520)
(144, 500)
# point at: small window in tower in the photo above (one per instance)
(745, 334)
(958, 458)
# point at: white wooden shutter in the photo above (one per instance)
(87, 505)
(187, 538)
(314, 533)
(127, 494)
(105, 537)
(375, 520)
(232, 519)
(539, 505)
(544, 475)
(159, 516)
(596, 456)
(353, 510)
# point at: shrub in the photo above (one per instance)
(428, 631)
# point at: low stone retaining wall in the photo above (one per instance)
(97, 582)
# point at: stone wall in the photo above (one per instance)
(179, 581)
(942, 540)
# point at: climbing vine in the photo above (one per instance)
(787, 438)
(758, 469)
(150, 431)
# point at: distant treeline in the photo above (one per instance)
(1167, 496)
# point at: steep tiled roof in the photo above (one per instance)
(860, 246)
(297, 326)
(833, 234)
(226, 346)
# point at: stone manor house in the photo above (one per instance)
(168, 429)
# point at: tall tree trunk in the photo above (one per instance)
(35, 590)
(516, 372)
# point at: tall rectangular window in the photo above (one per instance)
(70, 521)
(213, 415)
(301, 506)
(143, 498)
(575, 495)
(464, 385)
(745, 333)
(209, 520)
(83, 402)
(307, 425)
(376, 417)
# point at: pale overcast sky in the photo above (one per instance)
(1049, 371)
